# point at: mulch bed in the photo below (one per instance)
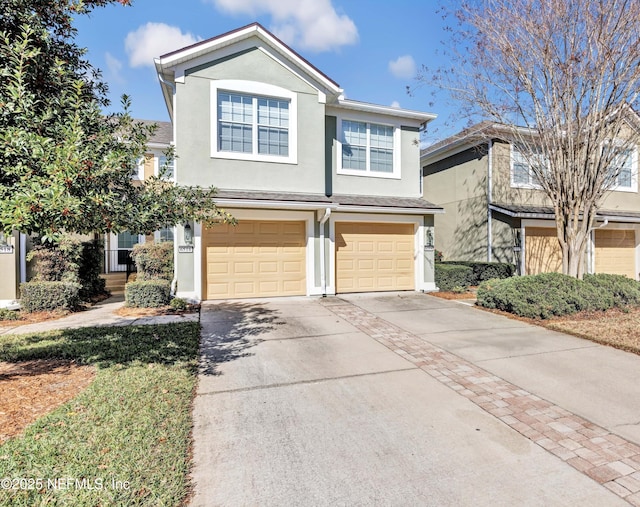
(31, 389)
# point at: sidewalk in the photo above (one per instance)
(101, 314)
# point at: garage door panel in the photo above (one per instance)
(374, 256)
(615, 252)
(542, 251)
(255, 259)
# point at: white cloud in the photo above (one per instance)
(114, 67)
(154, 39)
(395, 104)
(403, 67)
(308, 24)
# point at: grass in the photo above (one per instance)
(124, 440)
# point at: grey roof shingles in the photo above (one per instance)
(163, 134)
(527, 211)
(341, 200)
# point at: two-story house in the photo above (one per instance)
(326, 190)
(496, 211)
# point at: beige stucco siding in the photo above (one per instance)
(194, 112)
(459, 185)
(10, 269)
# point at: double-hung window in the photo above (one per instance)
(254, 121)
(368, 148)
(165, 169)
(522, 173)
(625, 168)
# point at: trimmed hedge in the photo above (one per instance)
(483, 271)
(147, 293)
(544, 295)
(452, 276)
(154, 261)
(47, 296)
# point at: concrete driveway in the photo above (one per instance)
(406, 399)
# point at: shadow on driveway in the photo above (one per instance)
(229, 330)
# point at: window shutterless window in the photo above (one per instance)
(367, 147)
(253, 121)
(623, 166)
(522, 175)
(165, 170)
(251, 124)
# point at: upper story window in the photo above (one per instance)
(522, 174)
(166, 169)
(369, 149)
(250, 124)
(626, 167)
(253, 121)
(164, 234)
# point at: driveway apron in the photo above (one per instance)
(349, 401)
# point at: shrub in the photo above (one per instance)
(542, 296)
(57, 262)
(6, 314)
(449, 276)
(178, 304)
(154, 261)
(90, 268)
(486, 270)
(47, 296)
(147, 293)
(625, 291)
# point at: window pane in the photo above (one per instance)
(273, 112)
(381, 137)
(273, 141)
(355, 133)
(354, 157)
(521, 173)
(623, 165)
(166, 234)
(381, 160)
(165, 170)
(127, 240)
(235, 137)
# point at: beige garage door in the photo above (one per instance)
(254, 259)
(542, 251)
(374, 257)
(616, 252)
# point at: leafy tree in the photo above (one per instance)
(560, 80)
(64, 166)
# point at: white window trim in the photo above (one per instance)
(367, 173)
(255, 88)
(634, 175)
(157, 166)
(514, 184)
(139, 176)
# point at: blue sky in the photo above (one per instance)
(371, 48)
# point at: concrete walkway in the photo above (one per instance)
(101, 314)
(406, 399)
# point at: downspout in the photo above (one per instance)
(489, 201)
(323, 271)
(23, 257)
(591, 252)
(174, 282)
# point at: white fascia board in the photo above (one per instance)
(294, 205)
(389, 211)
(418, 117)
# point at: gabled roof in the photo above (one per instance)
(163, 134)
(167, 63)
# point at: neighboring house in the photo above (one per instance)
(495, 210)
(14, 268)
(327, 191)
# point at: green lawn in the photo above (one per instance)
(123, 441)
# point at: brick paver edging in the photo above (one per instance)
(607, 458)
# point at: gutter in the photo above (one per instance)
(323, 270)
